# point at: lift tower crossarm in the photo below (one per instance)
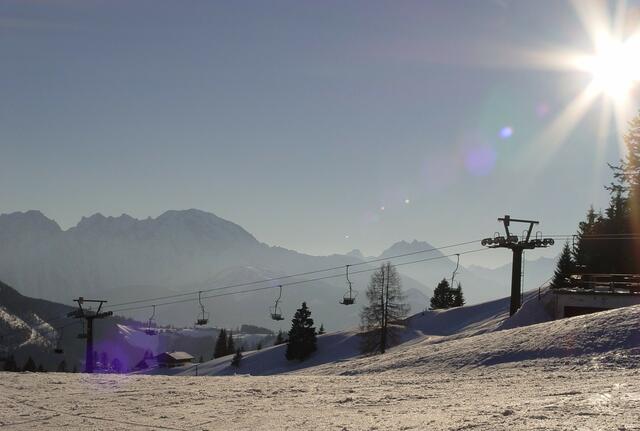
(517, 246)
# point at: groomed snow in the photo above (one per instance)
(484, 399)
(453, 372)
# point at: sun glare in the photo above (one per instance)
(615, 66)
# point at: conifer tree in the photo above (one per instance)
(62, 367)
(231, 347)
(443, 296)
(40, 369)
(564, 268)
(302, 336)
(385, 311)
(220, 349)
(116, 365)
(321, 330)
(279, 338)
(30, 365)
(235, 361)
(458, 296)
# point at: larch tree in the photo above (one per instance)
(386, 308)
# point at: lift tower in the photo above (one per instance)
(89, 315)
(517, 246)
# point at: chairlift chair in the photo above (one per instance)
(348, 298)
(276, 312)
(151, 324)
(204, 317)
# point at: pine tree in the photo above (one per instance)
(302, 336)
(443, 296)
(221, 345)
(62, 367)
(458, 296)
(116, 365)
(235, 361)
(564, 268)
(321, 330)
(41, 369)
(279, 338)
(384, 312)
(231, 347)
(29, 365)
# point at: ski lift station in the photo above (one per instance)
(590, 293)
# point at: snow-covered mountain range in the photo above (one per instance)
(124, 259)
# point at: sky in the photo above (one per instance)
(317, 126)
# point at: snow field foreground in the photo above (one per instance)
(489, 398)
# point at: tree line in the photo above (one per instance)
(594, 249)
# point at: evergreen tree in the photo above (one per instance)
(384, 312)
(104, 360)
(302, 336)
(235, 361)
(458, 296)
(443, 296)
(29, 365)
(279, 338)
(321, 330)
(231, 347)
(10, 364)
(62, 367)
(564, 268)
(259, 345)
(116, 365)
(221, 345)
(40, 369)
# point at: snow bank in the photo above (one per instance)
(605, 338)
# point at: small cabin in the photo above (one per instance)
(173, 359)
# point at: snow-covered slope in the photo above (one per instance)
(340, 347)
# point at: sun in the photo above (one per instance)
(614, 67)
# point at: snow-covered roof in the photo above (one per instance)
(177, 356)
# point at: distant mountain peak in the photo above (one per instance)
(402, 247)
(32, 220)
(356, 253)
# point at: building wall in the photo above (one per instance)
(567, 304)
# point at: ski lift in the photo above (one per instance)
(58, 349)
(276, 312)
(151, 325)
(348, 298)
(455, 271)
(204, 319)
(83, 334)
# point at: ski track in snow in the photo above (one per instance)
(483, 399)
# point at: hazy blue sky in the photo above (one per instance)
(298, 120)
